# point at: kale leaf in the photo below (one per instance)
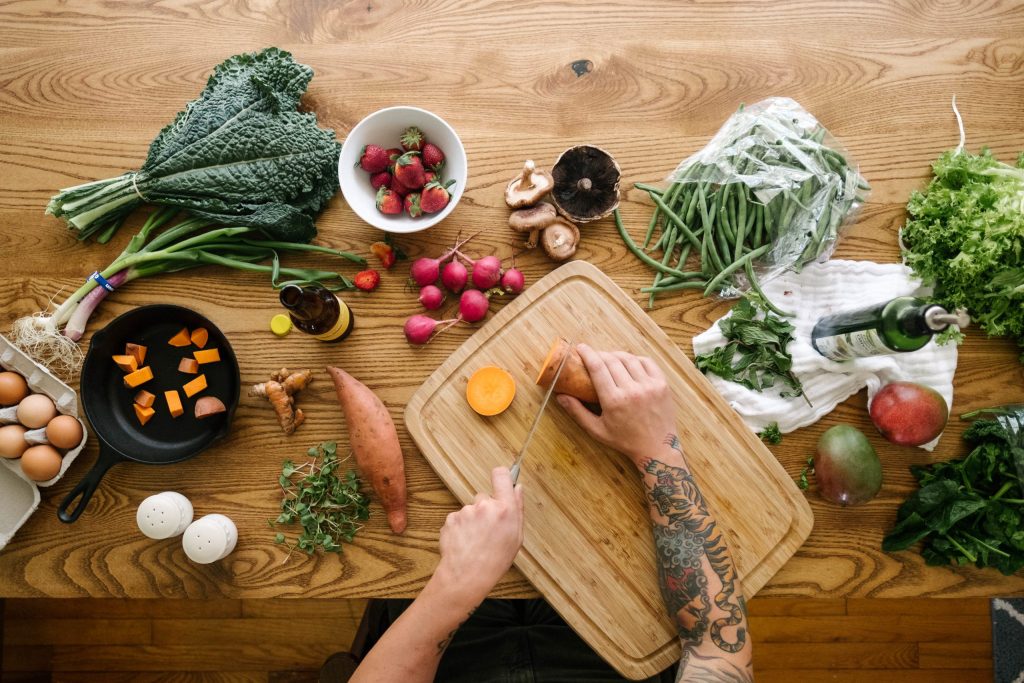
(239, 154)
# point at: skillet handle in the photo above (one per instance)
(85, 488)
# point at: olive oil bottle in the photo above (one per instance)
(898, 326)
(318, 311)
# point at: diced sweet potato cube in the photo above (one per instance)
(137, 350)
(144, 399)
(195, 386)
(138, 378)
(207, 356)
(126, 363)
(200, 336)
(180, 339)
(189, 365)
(173, 403)
(144, 413)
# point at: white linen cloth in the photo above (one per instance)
(822, 289)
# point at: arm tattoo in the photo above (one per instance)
(689, 535)
(443, 645)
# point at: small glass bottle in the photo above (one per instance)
(317, 311)
(898, 326)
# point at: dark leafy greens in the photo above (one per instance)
(965, 235)
(755, 355)
(967, 511)
(240, 154)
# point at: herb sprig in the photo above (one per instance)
(328, 504)
(771, 434)
(755, 355)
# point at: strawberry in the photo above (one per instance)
(412, 139)
(412, 205)
(393, 155)
(388, 202)
(379, 180)
(373, 159)
(397, 187)
(429, 177)
(433, 157)
(409, 170)
(366, 280)
(435, 196)
(385, 252)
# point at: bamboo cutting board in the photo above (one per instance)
(588, 546)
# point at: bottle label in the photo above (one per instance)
(344, 318)
(840, 347)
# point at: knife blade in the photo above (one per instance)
(514, 471)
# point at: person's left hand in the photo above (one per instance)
(479, 542)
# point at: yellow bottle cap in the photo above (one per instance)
(280, 324)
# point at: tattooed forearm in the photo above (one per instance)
(684, 537)
(443, 645)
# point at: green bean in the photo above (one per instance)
(639, 253)
(741, 233)
(651, 188)
(674, 287)
(666, 257)
(748, 267)
(671, 216)
(759, 226)
(733, 267)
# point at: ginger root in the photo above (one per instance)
(280, 390)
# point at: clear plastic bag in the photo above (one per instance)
(773, 177)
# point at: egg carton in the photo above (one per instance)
(19, 495)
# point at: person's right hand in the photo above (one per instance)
(479, 542)
(637, 411)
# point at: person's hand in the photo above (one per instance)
(637, 412)
(479, 542)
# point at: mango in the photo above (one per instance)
(846, 467)
(909, 414)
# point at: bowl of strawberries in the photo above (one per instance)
(402, 169)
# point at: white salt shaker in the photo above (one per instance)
(209, 539)
(164, 515)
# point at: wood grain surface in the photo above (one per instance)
(87, 85)
(601, 578)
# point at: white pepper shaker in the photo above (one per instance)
(209, 539)
(164, 515)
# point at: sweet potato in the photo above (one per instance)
(208, 406)
(574, 380)
(374, 441)
(490, 390)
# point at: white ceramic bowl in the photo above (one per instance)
(384, 127)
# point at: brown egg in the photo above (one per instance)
(12, 441)
(13, 388)
(36, 410)
(64, 431)
(40, 463)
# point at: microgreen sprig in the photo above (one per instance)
(328, 504)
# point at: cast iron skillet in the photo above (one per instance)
(108, 404)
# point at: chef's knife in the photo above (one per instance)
(540, 413)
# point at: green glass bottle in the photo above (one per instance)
(898, 326)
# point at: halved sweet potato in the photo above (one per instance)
(574, 380)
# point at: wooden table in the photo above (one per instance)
(86, 86)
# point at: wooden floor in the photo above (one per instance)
(285, 641)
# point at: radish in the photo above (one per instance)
(425, 270)
(513, 281)
(486, 272)
(473, 305)
(431, 297)
(419, 329)
(454, 276)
